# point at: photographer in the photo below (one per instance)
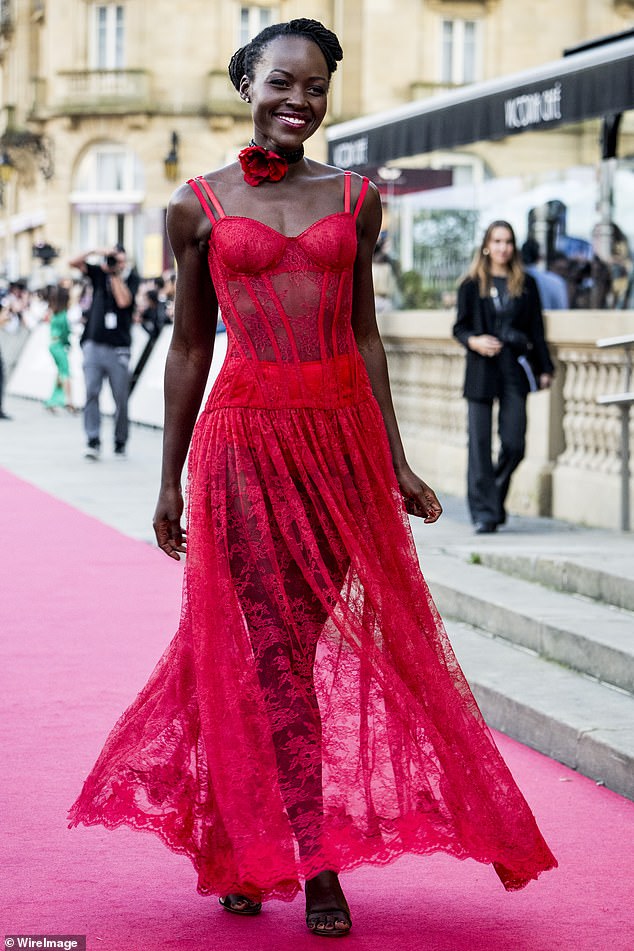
(500, 325)
(106, 342)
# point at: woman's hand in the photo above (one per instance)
(545, 379)
(419, 498)
(485, 344)
(170, 535)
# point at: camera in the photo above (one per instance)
(111, 260)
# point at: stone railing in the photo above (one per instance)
(572, 464)
(101, 90)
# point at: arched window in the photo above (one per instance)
(107, 199)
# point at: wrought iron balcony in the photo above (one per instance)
(105, 91)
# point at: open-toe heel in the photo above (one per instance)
(240, 905)
(327, 911)
(328, 918)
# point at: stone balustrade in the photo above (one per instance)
(100, 90)
(572, 465)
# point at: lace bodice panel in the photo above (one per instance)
(285, 299)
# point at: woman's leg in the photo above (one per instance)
(285, 614)
(57, 396)
(481, 489)
(285, 619)
(512, 432)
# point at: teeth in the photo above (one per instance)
(293, 120)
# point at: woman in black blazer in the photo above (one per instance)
(500, 324)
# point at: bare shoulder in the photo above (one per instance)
(371, 211)
(183, 202)
(185, 197)
(357, 186)
(225, 181)
(334, 176)
(187, 222)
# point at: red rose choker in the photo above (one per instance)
(261, 165)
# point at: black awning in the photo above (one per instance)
(582, 86)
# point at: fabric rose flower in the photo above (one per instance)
(260, 165)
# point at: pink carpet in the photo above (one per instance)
(86, 612)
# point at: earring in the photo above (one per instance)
(485, 250)
(245, 97)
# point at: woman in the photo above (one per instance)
(59, 348)
(309, 716)
(500, 324)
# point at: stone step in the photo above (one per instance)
(579, 633)
(578, 721)
(567, 575)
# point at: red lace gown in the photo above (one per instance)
(309, 713)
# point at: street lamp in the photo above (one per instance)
(171, 160)
(7, 170)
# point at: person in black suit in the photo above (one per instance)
(500, 324)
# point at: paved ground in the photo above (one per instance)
(47, 451)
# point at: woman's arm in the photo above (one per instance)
(463, 330)
(188, 359)
(536, 324)
(420, 499)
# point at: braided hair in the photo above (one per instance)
(244, 60)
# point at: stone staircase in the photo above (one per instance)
(547, 645)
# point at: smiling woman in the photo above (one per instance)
(309, 716)
(290, 87)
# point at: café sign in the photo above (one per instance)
(533, 109)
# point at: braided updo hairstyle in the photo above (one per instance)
(244, 61)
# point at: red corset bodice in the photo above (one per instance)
(286, 302)
(248, 246)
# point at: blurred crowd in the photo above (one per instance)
(65, 306)
(21, 308)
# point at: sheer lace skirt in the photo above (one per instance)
(309, 713)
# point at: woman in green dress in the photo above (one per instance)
(59, 347)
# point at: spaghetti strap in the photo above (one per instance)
(361, 198)
(346, 191)
(195, 184)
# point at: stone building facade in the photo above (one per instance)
(96, 94)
